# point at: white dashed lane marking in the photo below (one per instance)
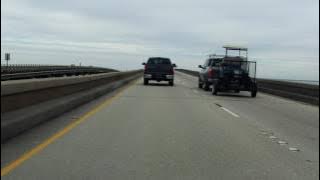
(227, 110)
(230, 112)
(273, 137)
(294, 149)
(282, 142)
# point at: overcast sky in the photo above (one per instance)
(282, 35)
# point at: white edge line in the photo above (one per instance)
(230, 112)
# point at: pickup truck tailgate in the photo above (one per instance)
(159, 68)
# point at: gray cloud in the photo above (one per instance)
(281, 35)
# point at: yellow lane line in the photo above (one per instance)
(14, 164)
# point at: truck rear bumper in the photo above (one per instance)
(159, 77)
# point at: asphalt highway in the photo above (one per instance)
(163, 132)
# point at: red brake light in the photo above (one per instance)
(145, 67)
(172, 71)
(210, 73)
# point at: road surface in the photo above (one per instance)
(163, 132)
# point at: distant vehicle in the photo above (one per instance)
(159, 69)
(229, 73)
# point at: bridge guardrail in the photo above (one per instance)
(22, 68)
(24, 71)
(297, 91)
(26, 103)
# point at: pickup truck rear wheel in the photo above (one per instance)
(171, 83)
(200, 85)
(206, 86)
(253, 93)
(214, 89)
(145, 82)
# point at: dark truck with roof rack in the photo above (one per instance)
(159, 69)
(229, 73)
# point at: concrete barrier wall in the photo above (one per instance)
(21, 86)
(22, 93)
(26, 103)
(297, 91)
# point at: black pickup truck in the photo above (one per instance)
(159, 69)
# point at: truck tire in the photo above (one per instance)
(171, 83)
(214, 89)
(254, 90)
(206, 86)
(145, 82)
(200, 84)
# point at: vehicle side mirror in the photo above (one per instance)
(200, 67)
(143, 63)
(174, 65)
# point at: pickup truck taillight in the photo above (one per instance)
(172, 71)
(145, 67)
(210, 73)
